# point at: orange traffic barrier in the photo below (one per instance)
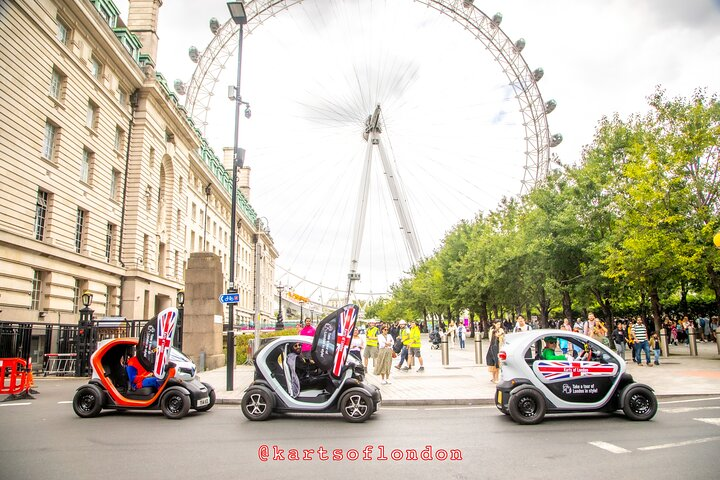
(13, 373)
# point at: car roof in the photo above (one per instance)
(522, 339)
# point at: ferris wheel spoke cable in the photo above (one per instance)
(302, 237)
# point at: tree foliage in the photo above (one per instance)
(630, 223)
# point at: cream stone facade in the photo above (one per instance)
(105, 184)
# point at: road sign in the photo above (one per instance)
(230, 298)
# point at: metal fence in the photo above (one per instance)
(53, 348)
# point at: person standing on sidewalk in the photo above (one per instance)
(655, 347)
(357, 344)
(496, 336)
(414, 348)
(405, 338)
(384, 358)
(618, 337)
(371, 345)
(521, 325)
(641, 342)
(461, 334)
(309, 331)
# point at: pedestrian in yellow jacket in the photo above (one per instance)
(414, 346)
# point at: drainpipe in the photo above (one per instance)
(133, 107)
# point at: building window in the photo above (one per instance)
(41, 209)
(115, 184)
(92, 116)
(86, 165)
(119, 142)
(50, 143)
(122, 96)
(57, 85)
(63, 31)
(146, 250)
(109, 235)
(95, 67)
(76, 296)
(36, 290)
(79, 227)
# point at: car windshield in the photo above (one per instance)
(178, 356)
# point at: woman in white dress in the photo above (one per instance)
(384, 358)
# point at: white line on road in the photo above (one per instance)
(14, 404)
(687, 409)
(65, 401)
(679, 444)
(711, 421)
(691, 400)
(609, 447)
(468, 407)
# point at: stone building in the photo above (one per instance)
(105, 183)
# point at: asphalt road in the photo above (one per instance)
(43, 439)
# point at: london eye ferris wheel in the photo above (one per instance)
(376, 126)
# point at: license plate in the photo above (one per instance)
(203, 401)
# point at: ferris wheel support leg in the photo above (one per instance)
(359, 226)
(412, 244)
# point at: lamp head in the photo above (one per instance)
(237, 12)
(87, 298)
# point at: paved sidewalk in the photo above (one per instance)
(463, 382)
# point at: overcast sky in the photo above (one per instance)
(313, 73)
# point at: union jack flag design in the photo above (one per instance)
(345, 325)
(553, 370)
(166, 323)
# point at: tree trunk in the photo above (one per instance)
(605, 306)
(544, 306)
(567, 305)
(683, 297)
(715, 285)
(495, 311)
(655, 307)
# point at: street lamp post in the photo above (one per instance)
(83, 343)
(237, 12)
(279, 325)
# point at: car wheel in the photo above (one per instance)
(175, 404)
(256, 404)
(527, 407)
(639, 402)
(211, 393)
(356, 406)
(87, 401)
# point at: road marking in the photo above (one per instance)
(609, 447)
(687, 409)
(711, 421)
(14, 404)
(469, 407)
(691, 400)
(680, 444)
(65, 401)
